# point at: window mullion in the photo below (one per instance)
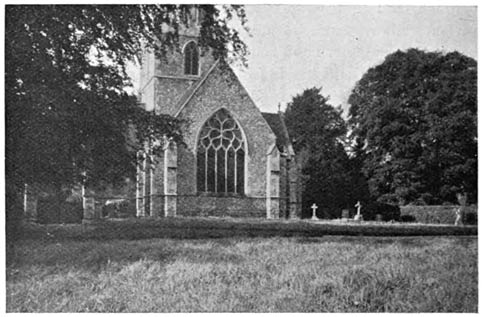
(215, 171)
(206, 171)
(235, 171)
(226, 170)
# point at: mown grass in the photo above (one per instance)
(240, 274)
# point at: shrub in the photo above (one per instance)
(470, 218)
(407, 218)
(118, 208)
(426, 199)
(387, 211)
(13, 215)
(391, 199)
(54, 209)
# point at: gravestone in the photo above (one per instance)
(89, 208)
(345, 214)
(460, 212)
(314, 207)
(358, 216)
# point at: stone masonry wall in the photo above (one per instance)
(283, 188)
(203, 206)
(168, 92)
(175, 61)
(170, 83)
(147, 83)
(223, 90)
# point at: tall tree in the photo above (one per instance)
(67, 110)
(318, 131)
(415, 116)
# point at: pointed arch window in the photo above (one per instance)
(191, 59)
(220, 156)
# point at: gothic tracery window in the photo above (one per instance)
(191, 59)
(220, 156)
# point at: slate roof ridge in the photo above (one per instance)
(278, 126)
(289, 145)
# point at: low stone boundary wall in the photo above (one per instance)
(437, 214)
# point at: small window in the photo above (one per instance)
(191, 59)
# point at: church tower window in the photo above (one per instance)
(220, 156)
(191, 59)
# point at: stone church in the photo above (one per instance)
(236, 161)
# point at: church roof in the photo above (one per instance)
(192, 90)
(277, 124)
(275, 120)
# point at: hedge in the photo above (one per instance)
(208, 228)
(437, 214)
(54, 210)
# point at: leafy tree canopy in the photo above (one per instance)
(318, 132)
(67, 110)
(415, 117)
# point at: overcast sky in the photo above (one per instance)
(297, 47)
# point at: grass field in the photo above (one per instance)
(242, 274)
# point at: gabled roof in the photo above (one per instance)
(274, 120)
(277, 124)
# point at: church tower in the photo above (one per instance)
(163, 83)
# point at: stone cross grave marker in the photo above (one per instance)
(358, 215)
(358, 207)
(314, 207)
